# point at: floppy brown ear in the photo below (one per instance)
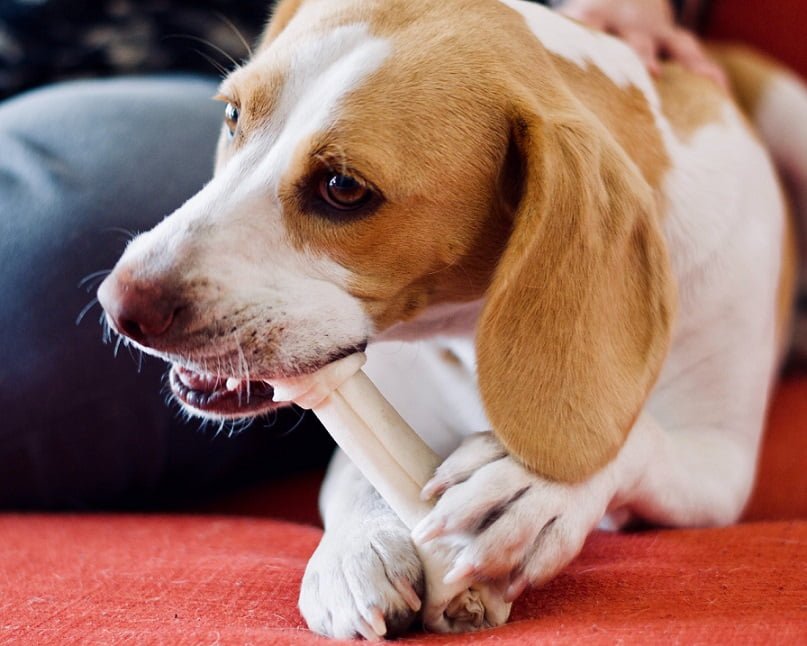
(578, 315)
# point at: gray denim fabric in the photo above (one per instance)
(79, 162)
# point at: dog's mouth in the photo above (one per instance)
(219, 395)
(223, 396)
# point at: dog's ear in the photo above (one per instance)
(282, 13)
(578, 315)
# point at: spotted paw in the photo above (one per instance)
(506, 523)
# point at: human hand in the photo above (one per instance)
(648, 26)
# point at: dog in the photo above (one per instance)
(575, 281)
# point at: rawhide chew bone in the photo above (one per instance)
(397, 463)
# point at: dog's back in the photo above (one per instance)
(775, 101)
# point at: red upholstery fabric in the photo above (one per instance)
(235, 579)
(192, 580)
(776, 26)
(781, 488)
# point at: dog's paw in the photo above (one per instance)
(363, 581)
(506, 524)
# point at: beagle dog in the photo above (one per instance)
(576, 280)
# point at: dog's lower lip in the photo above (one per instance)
(211, 394)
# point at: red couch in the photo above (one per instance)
(233, 577)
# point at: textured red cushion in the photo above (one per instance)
(188, 580)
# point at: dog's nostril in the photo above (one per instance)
(150, 323)
(138, 330)
(130, 328)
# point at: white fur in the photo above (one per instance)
(724, 226)
(443, 319)
(785, 95)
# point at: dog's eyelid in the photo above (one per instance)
(226, 99)
(339, 165)
(226, 93)
(348, 171)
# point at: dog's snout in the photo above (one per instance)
(139, 310)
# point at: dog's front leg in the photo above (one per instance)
(365, 577)
(519, 529)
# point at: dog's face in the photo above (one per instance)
(349, 194)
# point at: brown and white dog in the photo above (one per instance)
(534, 236)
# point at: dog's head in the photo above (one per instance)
(378, 160)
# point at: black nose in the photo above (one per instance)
(139, 310)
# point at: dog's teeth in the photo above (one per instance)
(233, 383)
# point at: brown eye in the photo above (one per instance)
(344, 192)
(231, 117)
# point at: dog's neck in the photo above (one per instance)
(443, 319)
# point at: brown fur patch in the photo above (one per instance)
(688, 101)
(450, 357)
(624, 112)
